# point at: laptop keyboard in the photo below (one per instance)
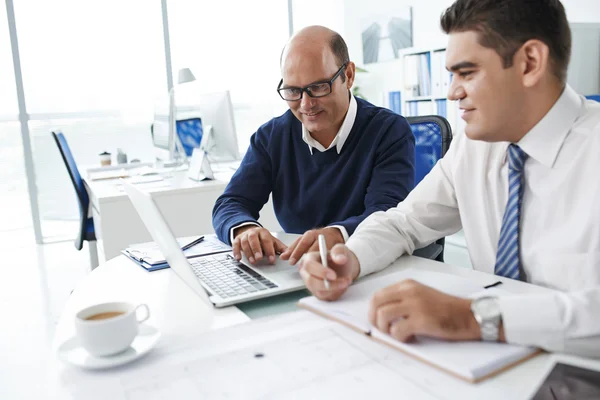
(227, 277)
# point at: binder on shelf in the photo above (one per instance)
(394, 102)
(441, 108)
(411, 76)
(426, 86)
(424, 74)
(437, 64)
(472, 361)
(412, 109)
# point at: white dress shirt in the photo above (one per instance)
(338, 142)
(560, 223)
(341, 136)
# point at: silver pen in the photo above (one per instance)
(323, 251)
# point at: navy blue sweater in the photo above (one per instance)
(373, 172)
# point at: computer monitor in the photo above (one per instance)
(214, 111)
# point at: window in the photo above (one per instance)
(233, 45)
(91, 69)
(9, 109)
(14, 201)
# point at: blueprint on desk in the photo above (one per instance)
(292, 356)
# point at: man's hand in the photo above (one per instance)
(409, 308)
(343, 269)
(309, 242)
(256, 242)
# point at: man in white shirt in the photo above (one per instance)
(522, 184)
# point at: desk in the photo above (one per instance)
(180, 314)
(186, 205)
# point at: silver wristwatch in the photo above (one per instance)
(486, 311)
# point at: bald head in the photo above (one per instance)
(315, 65)
(315, 42)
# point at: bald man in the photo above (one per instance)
(329, 161)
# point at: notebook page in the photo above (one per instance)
(353, 306)
(470, 360)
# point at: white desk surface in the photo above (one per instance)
(186, 205)
(181, 316)
(175, 182)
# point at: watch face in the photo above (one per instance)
(487, 307)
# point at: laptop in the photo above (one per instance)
(219, 279)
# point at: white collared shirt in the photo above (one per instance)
(338, 141)
(560, 223)
(341, 136)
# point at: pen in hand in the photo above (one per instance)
(323, 251)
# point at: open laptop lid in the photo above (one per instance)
(163, 236)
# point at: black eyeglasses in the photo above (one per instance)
(317, 89)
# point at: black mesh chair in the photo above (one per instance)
(432, 140)
(86, 227)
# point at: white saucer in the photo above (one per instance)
(71, 351)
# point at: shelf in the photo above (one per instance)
(426, 98)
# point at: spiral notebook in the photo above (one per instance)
(471, 361)
(149, 256)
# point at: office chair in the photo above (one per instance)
(86, 228)
(432, 140)
(595, 97)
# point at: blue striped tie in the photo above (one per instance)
(507, 258)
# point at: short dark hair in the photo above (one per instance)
(505, 25)
(340, 51)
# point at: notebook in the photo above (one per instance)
(471, 361)
(149, 256)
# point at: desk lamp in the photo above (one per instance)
(176, 150)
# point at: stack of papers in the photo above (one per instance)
(122, 173)
(149, 256)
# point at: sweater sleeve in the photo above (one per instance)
(248, 190)
(393, 175)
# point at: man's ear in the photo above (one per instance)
(350, 74)
(533, 62)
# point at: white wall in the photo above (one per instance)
(387, 76)
(426, 19)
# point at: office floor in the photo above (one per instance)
(35, 284)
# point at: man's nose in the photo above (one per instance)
(307, 102)
(455, 91)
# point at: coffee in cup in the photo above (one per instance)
(105, 158)
(109, 328)
(104, 315)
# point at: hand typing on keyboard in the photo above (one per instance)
(256, 242)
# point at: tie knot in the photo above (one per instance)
(516, 158)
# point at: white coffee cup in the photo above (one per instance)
(109, 328)
(105, 159)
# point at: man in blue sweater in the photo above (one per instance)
(329, 162)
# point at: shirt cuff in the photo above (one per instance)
(364, 254)
(239, 226)
(532, 320)
(343, 230)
